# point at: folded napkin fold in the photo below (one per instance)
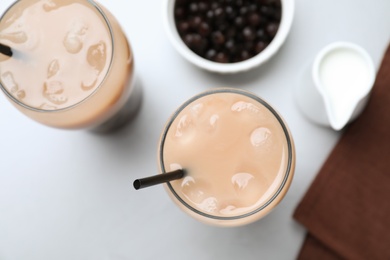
(346, 210)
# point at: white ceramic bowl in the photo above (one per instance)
(262, 57)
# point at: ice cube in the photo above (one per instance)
(21, 94)
(228, 210)
(97, 56)
(57, 99)
(192, 190)
(16, 37)
(213, 120)
(185, 125)
(50, 5)
(45, 106)
(16, 14)
(260, 136)
(78, 28)
(90, 80)
(212, 124)
(245, 106)
(52, 91)
(53, 68)
(53, 87)
(9, 81)
(72, 43)
(197, 109)
(209, 205)
(74, 38)
(241, 180)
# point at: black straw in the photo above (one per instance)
(158, 179)
(6, 50)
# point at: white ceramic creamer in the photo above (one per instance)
(336, 88)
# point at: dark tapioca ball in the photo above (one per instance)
(278, 4)
(194, 8)
(188, 39)
(221, 26)
(210, 14)
(262, 35)
(219, 13)
(183, 27)
(203, 6)
(230, 12)
(197, 38)
(244, 55)
(278, 14)
(230, 46)
(210, 54)
(272, 29)
(230, 32)
(260, 46)
(195, 22)
(249, 46)
(193, 40)
(221, 58)
(264, 20)
(243, 10)
(215, 5)
(252, 8)
(239, 21)
(218, 38)
(248, 33)
(267, 11)
(235, 59)
(254, 19)
(204, 29)
(202, 47)
(239, 2)
(180, 13)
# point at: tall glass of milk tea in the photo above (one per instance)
(237, 154)
(71, 65)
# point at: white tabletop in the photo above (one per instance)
(68, 194)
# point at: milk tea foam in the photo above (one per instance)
(64, 53)
(236, 156)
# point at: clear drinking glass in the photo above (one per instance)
(237, 154)
(72, 66)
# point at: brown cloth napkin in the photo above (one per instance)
(347, 208)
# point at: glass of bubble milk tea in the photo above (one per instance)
(71, 65)
(237, 155)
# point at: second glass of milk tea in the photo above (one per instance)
(71, 67)
(237, 154)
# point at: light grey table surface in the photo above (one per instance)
(67, 195)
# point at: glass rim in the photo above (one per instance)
(289, 164)
(110, 31)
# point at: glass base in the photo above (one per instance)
(125, 115)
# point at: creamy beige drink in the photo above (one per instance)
(237, 153)
(72, 65)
